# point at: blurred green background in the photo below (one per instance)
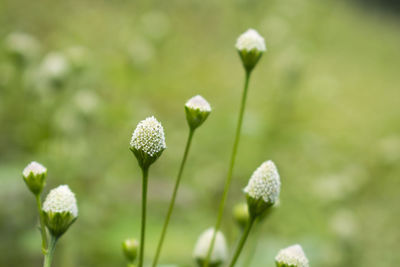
(324, 104)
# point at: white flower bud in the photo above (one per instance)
(148, 141)
(292, 256)
(263, 188)
(60, 210)
(55, 69)
(23, 47)
(251, 46)
(35, 177)
(219, 253)
(197, 110)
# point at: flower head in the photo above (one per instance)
(197, 110)
(251, 46)
(263, 188)
(292, 256)
(130, 249)
(148, 141)
(22, 46)
(35, 177)
(60, 209)
(219, 253)
(55, 69)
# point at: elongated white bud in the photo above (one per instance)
(219, 253)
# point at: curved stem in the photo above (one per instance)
(42, 226)
(48, 258)
(242, 242)
(145, 173)
(173, 198)
(230, 170)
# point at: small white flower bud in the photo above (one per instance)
(60, 210)
(197, 110)
(130, 249)
(55, 69)
(251, 46)
(292, 256)
(23, 47)
(219, 253)
(148, 141)
(263, 188)
(35, 177)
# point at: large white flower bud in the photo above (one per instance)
(251, 46)
(148, 141)
(263, 188)
(219, 253)
(60, 210)
(197, 110)
(35, 177)
(292, 256)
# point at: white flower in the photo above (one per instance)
(265, 183)
(198, 103)
(149, 137)
(55, 66)
(292, 256)
(250, 40)
(59, 200)
(220, 251)
(35, 168)
(22, 44)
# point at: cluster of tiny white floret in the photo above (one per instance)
(199, 103)
(250, 40)
(35, 168)
(61, 199)
(220, 250)
(292, 256)
(149, 137)
(265, 183)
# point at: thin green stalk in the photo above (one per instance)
(230, 170)
(48, 258)
(42, 226)
(172, 202)
(242, 242)
(145, 172)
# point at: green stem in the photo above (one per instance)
(42, 226)
(145, 172)
(242, 241)
(230, 170)
(48, 258)
(174, 194)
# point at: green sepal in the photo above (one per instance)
(144, 159)
(200, 263)
(284, 265)
(35, 183)
(250, 58)
(257, 207)
(58, 222)
(195, 117)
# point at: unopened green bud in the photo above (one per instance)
(263, 189)
(130, 249)
(60, 210)
(251, 46)
(292, 256)
(197, 110)
(148, 142)
(241, 214)
(35, 177)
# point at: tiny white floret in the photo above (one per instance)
(220, 250)
(198, 103)
(35, 168)
(61, 199)
(265, 183)
(292, 256)
(250, 40)
(149, 137)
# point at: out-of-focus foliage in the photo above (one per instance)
(323, 104)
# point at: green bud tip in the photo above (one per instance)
(197, 110)
(241, 214)
(60, 210)
(130, 249)
(251, 46)
(35, 177)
